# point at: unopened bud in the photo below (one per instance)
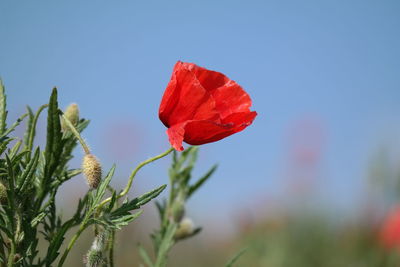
(3, 193)
(92, 170)
(185, 229)
(72, 114)
(94, 258)
(177, 212)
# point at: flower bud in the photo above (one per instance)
(92, 170)
(185, 229)
(177, 211)
(72, 114)
(94, 258)
(3, 193)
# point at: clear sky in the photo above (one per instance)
(324, 77)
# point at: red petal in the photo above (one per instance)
(209, 79)
(231, 98)
(186, 99)
(202, 132)
(228, 95)
(201, 106)
(175, 136)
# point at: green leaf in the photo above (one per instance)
(29, 125)
(27, 176)
(145, 257)
(10, 208)
(235, 258)
(101, 190)
(4, 144)
(72, 173)
(31, 129)
(56, 242)
(6, 231)
(166, 244)
(118, 222)
(14, 150)
(54, 135)
(38, 219)
(13, 126)
(201, 181)
(3, 111)
(137, 202)
(112, 202)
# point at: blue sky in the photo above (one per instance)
(328, 69)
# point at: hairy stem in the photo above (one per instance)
(111, 249)
(77, 135)
(133, 174)
(11, 255)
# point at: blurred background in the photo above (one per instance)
(312, 182)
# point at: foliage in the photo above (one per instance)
(172, 211)
(30, 178)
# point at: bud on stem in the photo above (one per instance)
(92, 170)
(185, 229)
(94, 257)
(3, 193)
(72, 114)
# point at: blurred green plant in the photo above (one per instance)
(30, 179)
(174, 226)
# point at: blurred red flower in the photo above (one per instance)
(201, 106)
(390, 231)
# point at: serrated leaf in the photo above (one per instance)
(28, 175)
(31, 129)
(4, 144)
(137, 202)
(13, 126)
(14, 150)
(16, 160)
(28, 126)
(120, 221)
(53, 145)
(101, 190)
(72, 173)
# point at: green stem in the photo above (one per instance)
(111, 249)
(11, 255)
(77, 134)
(133, 174)
(71, 244)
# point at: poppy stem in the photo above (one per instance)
(133, 174)
(77, 135)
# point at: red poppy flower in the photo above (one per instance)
(390, 231)
(201, 106)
